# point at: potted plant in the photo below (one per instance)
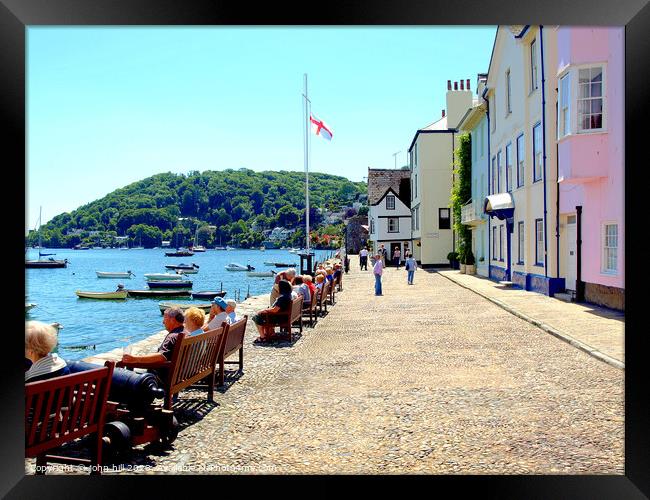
(452, 257)
(470, 262)
(462, 256)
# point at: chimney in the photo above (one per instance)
(455, 85)
(462, 85)
(448, 84)
(468, 84)
(443, 113)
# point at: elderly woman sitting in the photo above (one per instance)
(267, 319)
(40, 340)
(287, 275)
(194, 319)
(300, 287)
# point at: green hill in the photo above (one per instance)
(230, 206)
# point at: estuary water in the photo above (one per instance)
(109, 324)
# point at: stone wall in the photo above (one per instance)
(357, 236)
(607, 296)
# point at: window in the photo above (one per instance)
(564, 113)
(590, 98)
(610, 254)
(411, 188)
(416, 185)
(494, 176)
(372, 226)
(537, 152)
(539, 242)
(444, 221)
(412, 219)
(390, 202)
(508, 94)
(393, 225)
(520, 232)
(533, 66)
(416, 154)
(509, 167)
(499, 173)
(501, 243)
(417, 218)
(520, 160)
(494, 243)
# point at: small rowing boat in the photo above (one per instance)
(103, 274)
(182, 266)
(183, 306)
(170, 284)
(121, 294)
(238, 267)
(208, 295)
(163, 277)
(282, 264)
(261, 274)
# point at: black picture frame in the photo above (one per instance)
(17, 15)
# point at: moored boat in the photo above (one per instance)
(163, 277)
(180, 252)
(170, 284)
(183, 306)
(261, 274)
(121, 294)
(238, 267)
(45, 264)
(159, 293)
(282, 264)
(106, 274)
(208, 295)
(182, 266)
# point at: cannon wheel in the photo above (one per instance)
(169, 432)
(119, 438)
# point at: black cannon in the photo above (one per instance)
(131, 416)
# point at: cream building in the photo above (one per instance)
(523, 227)
(431, 156)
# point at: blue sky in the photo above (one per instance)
(112, 105)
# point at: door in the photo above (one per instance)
(571, 253)
(393, 246)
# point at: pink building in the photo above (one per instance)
(590, 128)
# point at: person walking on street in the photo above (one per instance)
(383, 253)
(377, 270)
(396, 257)
(410, 265)
(363, 258)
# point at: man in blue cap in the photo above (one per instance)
(218, 314)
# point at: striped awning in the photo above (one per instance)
(500, 205)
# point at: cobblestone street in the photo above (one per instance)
(429, 378)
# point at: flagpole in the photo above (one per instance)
(306, 100)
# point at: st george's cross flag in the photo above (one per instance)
(319, 128)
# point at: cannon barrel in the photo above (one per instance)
(133, 389)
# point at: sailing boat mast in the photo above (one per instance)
(306, 147)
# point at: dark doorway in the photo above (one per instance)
(394, 246)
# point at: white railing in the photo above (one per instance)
(469, 214)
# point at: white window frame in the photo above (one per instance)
(508, 94)
(416, 154)
(539, 242)
(493, 178)
(392, 198)
(603, 98)
(564, 105)
(534, 67)
(395, 221)
(521, 160)
(521, 249)
(501, 243)
(494, 243)
(499, 173)
(509, 167)
(537, 170)
(604, 254)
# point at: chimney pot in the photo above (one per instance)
(455, 85)
(468, 84)
(462, 85)
(448, 84)
(443, 113)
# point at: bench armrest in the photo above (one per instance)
(142, 364)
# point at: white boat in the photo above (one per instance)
(238, 267)
(260, 274)
(126, 275)
(262, 248)
(162, 276)
(230, 248)
(198, 248)
(187, 271)
(219, 248)
(118, 294)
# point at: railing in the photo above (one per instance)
(469, 215)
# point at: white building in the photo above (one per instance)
(390, 223)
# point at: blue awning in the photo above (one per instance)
(500, 205)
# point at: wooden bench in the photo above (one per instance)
(194, 358)
(61, 409)
(233, 343)
(332, 292)
(339, 281)
(309, 310)
(294, 315)
(322, 296)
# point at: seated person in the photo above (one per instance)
(230, 311)
(287, 275)
(218, 314)
(267, 319)
(330, 274)
(40, 340)
(320, 281)
(194, 319)
(310, 284)
(300, 287)
(173, 319)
